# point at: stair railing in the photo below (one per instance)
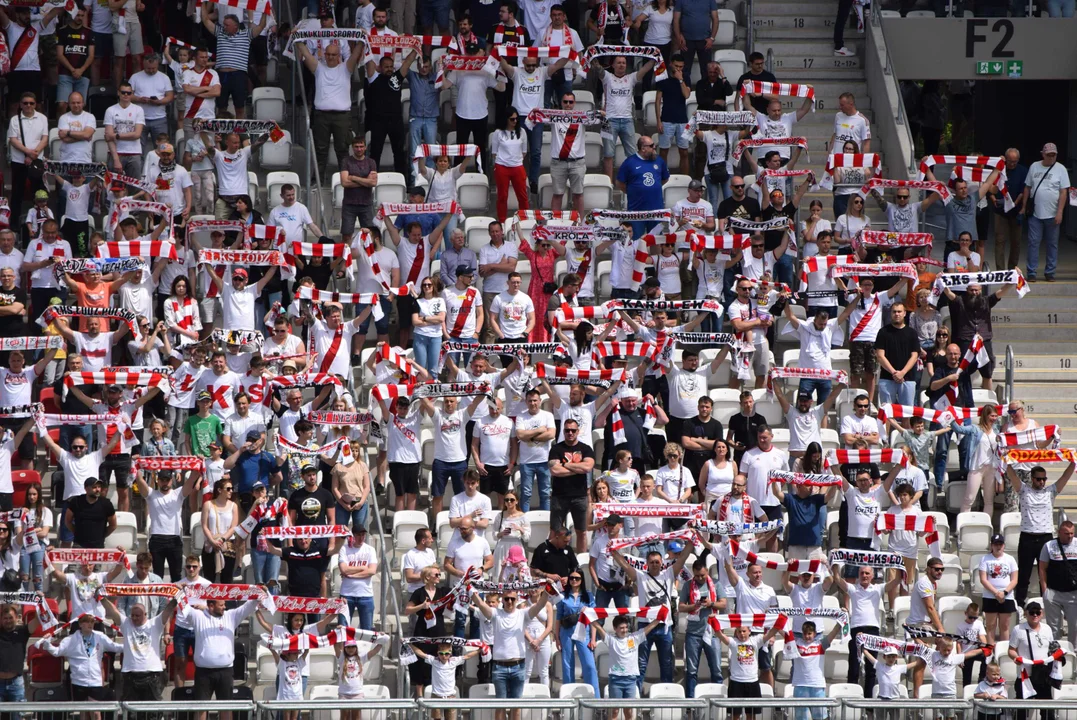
(875, 19)
(1011, 365)
(750, 20)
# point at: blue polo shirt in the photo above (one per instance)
(250, 468)
(696, 18)
(643, 182)
(807, 518)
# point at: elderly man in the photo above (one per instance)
(1007, 223)
(332, 107)
(154, 94)
(970, 314)
(142, 632)
(233, 53)
(455, 256)
(1045, 192)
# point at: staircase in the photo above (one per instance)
(797, 39)
(1042, 329)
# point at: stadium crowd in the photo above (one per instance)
(196, 382)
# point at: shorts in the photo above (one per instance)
(66, 84)
(671, 130)
(380, 326)
(213, 681)
(405, 477)
(81, 693)
(862, 358)
(182, 641)
(128, 43)
(774, 512)
(350, 213)
(234, 86)
(567, 174)
(433, 12)
(495, 480)
(405, 306)
(561, 507)
(759, 360)
(739, 689)
(47, 52)
(102, 45)
(991, 605)
(211, 308)
(260, 50)
(623, 687)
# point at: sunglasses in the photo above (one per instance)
(1037, 613)
(510, 500)
(444, 654)
(192, 567)
(78, 447)
(737, 187)
(227, 489)
(509, 599)
(126, 92)
(575, 578)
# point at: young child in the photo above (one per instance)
(943, 665)
(289, 679)
(972, 627)
(624, 658)
(807, 655)
(992, 687)
(38, 214)
(903, 542)
(920, 441)
(76, 227)
(888, 673)
(443, 674)
(486, 634)
(744, 665)
(350, 674)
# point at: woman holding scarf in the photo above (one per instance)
(572, 603)
(543, 257)
(419, 604)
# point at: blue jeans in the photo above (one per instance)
(1060, 8)
(266, 569)
(784, 269)
(508, 681)
(624, 687)
(361, 606)
(540, 471)
(440, 474)
(1047, 231)
(434, 12)
(63, 533)
(423, 130)
(427, 350)
(821, 388)
(66, 84)
(841, 204)
(534, 151)
(569, 649)
(942, 448)
(473, 631)
(902, 393)
(12, 690)
(717, 192)
(663, 640)
(603, 597)
(350, 517)
(712, 323)
(810, 692)
(624, 294)
(625, 129)
(693, 645)
(32, 565)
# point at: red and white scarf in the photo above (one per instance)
(920, 524)
(932, 185)
(457, 598)
(980, 175)
(311, 605)
(388, 392)
(573, 313)
(805, 479)
(651, 539)
(761, 87)
(369, 254)
(531, 53)
(301, 642)
(427, 150)
(672, 510)
(543, 370)
(589, 615)
(389, 354)
(51, 342)
(86, 556)
(799, 141)
(904, 412)
(306, 531)
(169, 462)
(879, 644)
(135, 248)
(306, 292)
(822, 262)
(329, 450)
(929, 161)
(263, 511)
(139, 590)
(867, 457)
(976, 353)
(126, 206)
(124, 378)
(1017, 456)
(849, 160)
(815, 567)
(331, 417)
(1028, 691)
(214, 256)
(641, 51)
(756, 621)
(226, 592)
(961, 281)
(883, 238)
(727, 243)
(650, 417)
(1027, 437)
(838, 376)
(137, 183)
(323, 250)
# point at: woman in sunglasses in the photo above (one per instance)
(419, 606)
(220, 516)
(572, 603)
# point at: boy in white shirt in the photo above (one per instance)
(943, 664)
(807, 655)
(443, 673)
(624, 658)
(744, 665)
(972, 627)
(888, 672)
(992, 687)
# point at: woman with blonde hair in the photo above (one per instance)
(599, 492)
(418, 604)
(982, 468)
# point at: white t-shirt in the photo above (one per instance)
(903, 219)
(511, 312)
(362, 556)
(815, 344)
(294, 221)
(624, 652)
(780, 128)
(449, 436)
(151, 86)
(622, 485)
(76, 470)
(38, 250)
(904, 541)
(429, 307)
(619, 103)
(863, 509)
(463, 505)
(805, 597)
(216, 635)
(387, 261)
(222, 388)
(508, 631)
(804, 427)
(142, 645)
(686, 387)
(125, 120)
(956, 262)
(808, 663)
(96, 352)
(923, 590)
(674, 482)
(407, 254)
(584, 414)
(758, 464)
(999, 570)
(889, 677)
(659, 25)
(688, 212)
(465, 555)
(530, 450)
(232, 175)
(528, 89)
(78, 201)
(289, 679)
(944, 672)
(454, 304)
(332, 86)
(416, 559)
(82, 594)
(81, 150)
(32, 128)
(744, 658)
(238, 307)
(494, 435)
(1037, 507)
(403, 439)
(668, 269)
(164, 509)
(207, 109)
(864, 604)
(471, 103)
(858, 426)
(647, 525)
(17, 388)
(489, 254)
(443, 675)
(754, 599)
(851, 127)
(181, 618)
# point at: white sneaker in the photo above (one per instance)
(844, 52)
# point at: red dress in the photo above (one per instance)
(542, 272)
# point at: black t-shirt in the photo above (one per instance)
(320, 273)
(773, 238)
(614, 34)
(13, 649)
(311, 508)
(758, 102)
(696, 428)
(12, 325)
(516, 36)
(744, 432)
(91, 520)
(553, 560)
(305, 568)
(746, 209)
(75, 45)
(570, 485)
(898, 344)
(383, 96)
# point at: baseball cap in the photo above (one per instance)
(998, 539)
(651, 282)
(1033, 607)
(1047, 148)
(165, 474)
(359, 528)
(253, 435)
(204, 396)
(239, 272)
(464, 270)
(890, 650)
(801, 394)
(613, 519)
(416, 190)
(695, 185)
(113, 387)
(258, 485)
(91, 481)
(309, 467)
(165, 147)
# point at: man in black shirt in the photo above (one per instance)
(13, 639)
(756, 63)
(12, 307)
(571, 462)
(698, 436)
(970, 314)
(385, 110)
(898, 348)
(91, 517)
(314, 505)
(711, 91)
(75, 42)
(743, 427)
(306, 567)
(632, 417)
(554, 559)
(739, 205)
(773, 206)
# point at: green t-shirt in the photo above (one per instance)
(203, 431)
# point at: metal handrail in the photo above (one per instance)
(1011, 366)
(749, 44)
(499, 703)
(875, 18)
(180, 706)
(330, 704)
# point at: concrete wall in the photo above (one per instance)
(896, 140)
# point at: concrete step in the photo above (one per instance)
(815, 62)
(1066, 288)
(1057, 349)
(795, 47)
(1064, 422)
(1035, 301)
(820, 32)
(803, 10)
(799, 22)
(1033, 316)
(809, 75)
(1033, 333)
(1044, 375)
(1048, 398)
(826, 103)
(1053, 361)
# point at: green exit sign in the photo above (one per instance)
(989, 67)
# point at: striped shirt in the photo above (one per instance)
(233, 50)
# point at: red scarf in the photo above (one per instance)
(866, 320)
(418, 262)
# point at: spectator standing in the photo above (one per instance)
(509, 644)
(214, 653)
(756, 72)
(617, 88)
(84, 650)
(571, 463)
(453, 258)
(233, 57)
(695, 23)
(897, 348)
(671, 108)
(166, 519)
(507, 146)
(534, 431)
(568, 158)
(200, 83)
(358, 176)
(508, 33)
(1008, 222)
(74, 56)
(472, 110)
(425, 105)
(641, 177)
(23, 35)
(27, 136)
(331, 117)
(358, 563)
(558, 34)
(153, 93)
(1044, 200)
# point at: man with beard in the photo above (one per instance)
(970, 314)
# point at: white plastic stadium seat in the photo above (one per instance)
(392, 187)
(597, 191)
(126, 533)
(732, 61)
(974, 530)
(274, 182)
(727, 28)
(269, 104)
(676, 188)
(674, 691)
(276, 155)
(405, 523)
(650, 118)
(477, 231)
(844, 690)
(578, 691)
(585, 100)
(540, 527)
(473, 190)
